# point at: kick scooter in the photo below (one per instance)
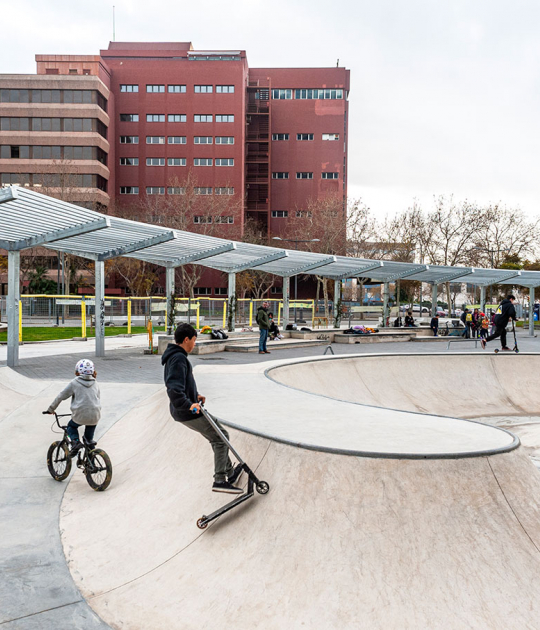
(515, 348)
(262, 487)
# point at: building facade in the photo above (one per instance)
(144, 124)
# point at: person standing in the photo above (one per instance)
(466, 318)
(504, 314)
(263, 322)
(475, 325)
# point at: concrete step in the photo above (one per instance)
(275, 345)
(380, 337)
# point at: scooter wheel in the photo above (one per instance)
(262, 487)
(201, 523)
(516, 350)
(496, 351)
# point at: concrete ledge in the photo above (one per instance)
(373, 338)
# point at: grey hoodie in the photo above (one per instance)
(85, 401)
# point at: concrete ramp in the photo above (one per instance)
(341, 541)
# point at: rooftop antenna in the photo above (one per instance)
(113, 26)
(337, 63)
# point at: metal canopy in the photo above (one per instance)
(29, 219)
(298, 262)
(529, 279)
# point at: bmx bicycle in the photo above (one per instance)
(94, 462)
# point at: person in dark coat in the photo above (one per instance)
(504, 314)
(185, 400)
(409, 320)
(435, 325)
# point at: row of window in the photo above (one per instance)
(302, 94)
(305, 136)
(55, 180)
(155, 161)
(52, 153)
(205, 118)
(53, 124)
(208, 290)
(283, 214)
(178, 89)
(87, 97)
(303, 175)
(181, 140)
(177, 190)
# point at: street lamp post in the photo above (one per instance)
(296, 241)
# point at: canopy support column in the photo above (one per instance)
(531, 312)
(100, 308)
(434, 294)
(231, 293)
(170, 289)
(286, 301)
(386, 295)
(337, 303)
(398, 303)
(483, 299)
(13, 297)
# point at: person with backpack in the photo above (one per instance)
(475, 324)
(263, 322)
(466, 318)
(503, 315)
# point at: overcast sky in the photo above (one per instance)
(444, 95)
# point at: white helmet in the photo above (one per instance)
(85, 366)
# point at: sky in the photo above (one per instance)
(444, 98)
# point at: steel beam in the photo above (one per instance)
(337, 303)
(188, 259)
(100, 308)
(386, 295)
(286, 300)
(434, 294)
(136, 246)
(483, 299)
(453, 276)
(360, 271)
(406, 274)
(13, 297)
(257, 262)
(170, 288)
(531, 312)
(312, 266)
(231, 306)
(508, 276)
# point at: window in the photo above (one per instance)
(77, 153)
(224, 117)
(71, 96)
(176, 161)
(203, 191)
(155, 139)
(155, 190)
(176, 118)
(51, 71)
(176, 190)
(224, 161)
(224, 139)
(225, 89)
(275, 290)
(15, 178)
(203, 89)
(176, 89)
(202, 219)
(227, 220)
(203, 118)
(72, 124)
(202, 161)
(155, 117)
(15, 124)
(280, 175)
(73, 71)
(304, 136)
(301, 214)
(280, 214)
(280, 136)
(129, 161)
(52, 153)
(220, 291)
(129, 139)
(319, 94)
(129, 117)
(330, 175)
(224, 191)
(330, 136)
(155, 88)
(176, 139)
(203, 140)
(128, 88)
(281, 94)
(155, 161)
(129, 190)
(202, 290)
(304, 175)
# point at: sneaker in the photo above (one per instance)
(236, 473)
(483, 342)
(506, 349)
(75, 449)
(225, 486)
(262, 352)
(267, 352)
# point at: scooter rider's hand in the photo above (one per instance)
(201, 399)
(195, 408)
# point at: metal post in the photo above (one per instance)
(286, 301)
(13, 297)
(398, 288)
(337, 303)
(385, 302)
(170, 288)
(100, 308)
(63, 286)
(483, 299)
(433, 299)
(231, 294)
(296, 295)
(531, 312)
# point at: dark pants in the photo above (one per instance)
(263, 337)
(435, 330)
(467, 331)
(500, 331)
(222, 464)
(73, 431)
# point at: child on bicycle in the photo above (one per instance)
(85, 404)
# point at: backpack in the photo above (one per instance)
(468, 317)
(222, 334)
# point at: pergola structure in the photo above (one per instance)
(29, 219)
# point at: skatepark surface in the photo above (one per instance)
(388, 507)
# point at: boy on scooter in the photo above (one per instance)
(504, 314)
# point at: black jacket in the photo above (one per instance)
(507, 313)
(180, 383)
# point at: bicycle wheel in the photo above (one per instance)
(98, 470)
(59, 461)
